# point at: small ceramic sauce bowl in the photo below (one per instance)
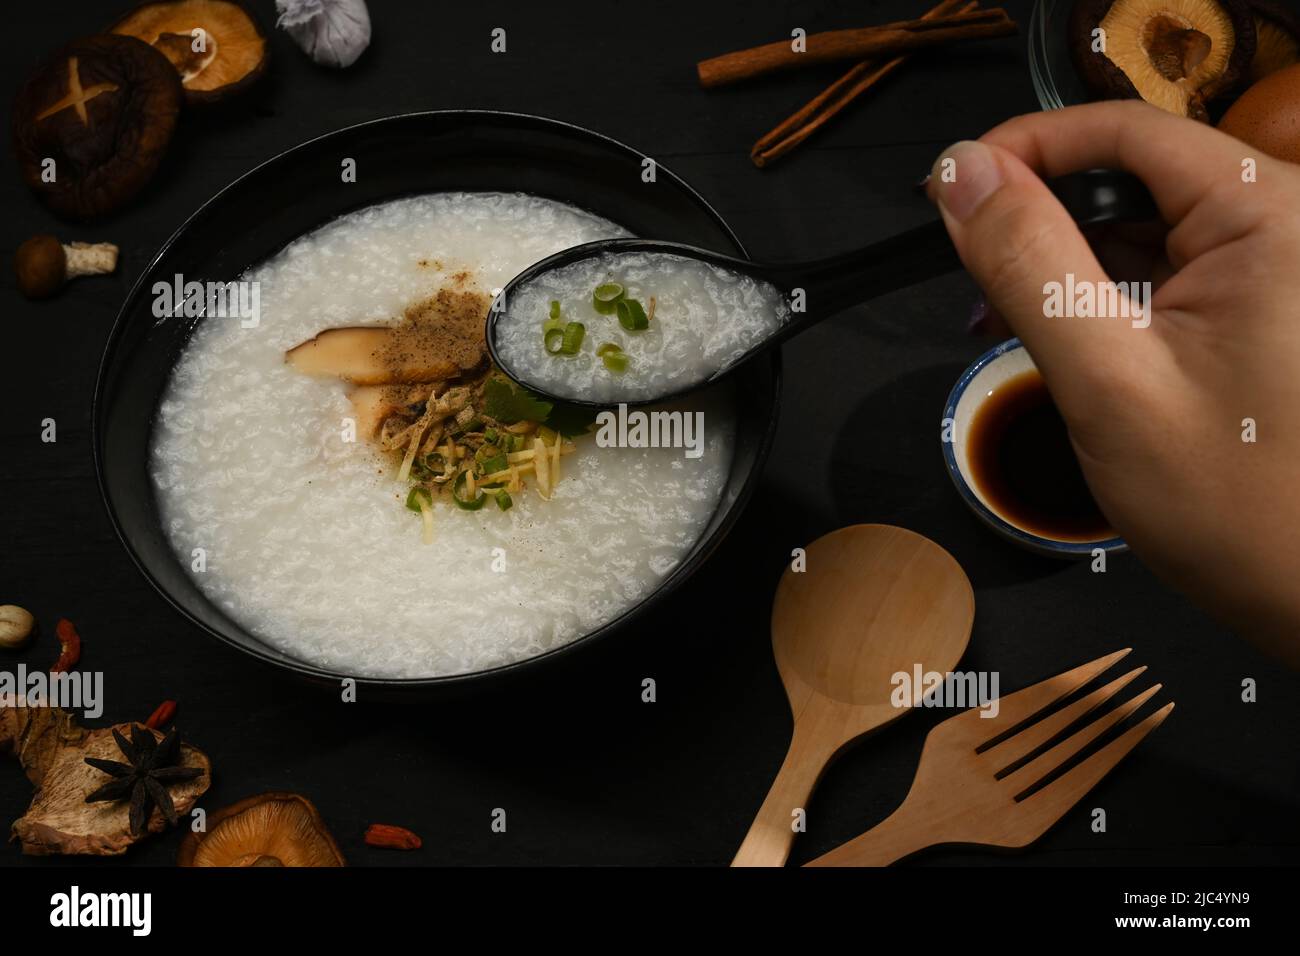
(976, 385)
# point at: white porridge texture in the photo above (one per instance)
(704, 319)
(307, 542)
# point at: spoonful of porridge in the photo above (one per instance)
(639, 320)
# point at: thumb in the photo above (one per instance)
(1015, 238)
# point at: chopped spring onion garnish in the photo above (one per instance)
(613, 356)
(553, 331)
(458, 494)
(490, 466)
(605, 299)
(419, 499)
(631, 315)
(504, 501)
(572, 341)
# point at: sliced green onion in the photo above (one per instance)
(458, 494)
(504, 501)
(553, 340)
(604, 300)
(572, 339)
(419, 499)
(555, 308)
(436, 465)
(490, 436)
(417, 496)
(494, 464)
(631, 315)
(614, 358)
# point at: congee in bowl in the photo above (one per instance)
(350, 479)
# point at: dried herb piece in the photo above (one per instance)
(69, 646)
(161, 717)
(145, 778)
(392, 837)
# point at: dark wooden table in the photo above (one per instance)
(587, 773)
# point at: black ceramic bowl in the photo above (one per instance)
(299, 190)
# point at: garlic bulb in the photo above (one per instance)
(331, 32)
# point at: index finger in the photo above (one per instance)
(1180, 160)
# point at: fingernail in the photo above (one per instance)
(979, 316)
(964, 177)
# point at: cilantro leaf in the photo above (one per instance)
(571, 420)
(508, 403)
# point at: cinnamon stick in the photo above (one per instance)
(882, 42)
(827, 104)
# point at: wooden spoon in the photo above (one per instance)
(873, 601)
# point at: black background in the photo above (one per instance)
(587, 773)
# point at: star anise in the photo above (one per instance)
(146, 778)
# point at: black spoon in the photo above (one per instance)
(830, 285)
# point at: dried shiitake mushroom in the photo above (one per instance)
(271, 829)
(1175, 54)
(1277, 38)
(216, 46)
(42, 264)
(91, 126)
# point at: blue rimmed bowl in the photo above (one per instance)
(976, 385)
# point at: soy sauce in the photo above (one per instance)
(1025, 468)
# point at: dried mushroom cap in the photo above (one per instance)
(1277, 39)
(41, 266)
(216, 46)
(92, 124)
(271, 829)
(1175, 54)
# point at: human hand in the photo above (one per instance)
(1157, 414)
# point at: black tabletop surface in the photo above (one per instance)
(586, 771)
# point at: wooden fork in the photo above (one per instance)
(963, 793)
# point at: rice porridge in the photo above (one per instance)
(312, 537)
(653, 324)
